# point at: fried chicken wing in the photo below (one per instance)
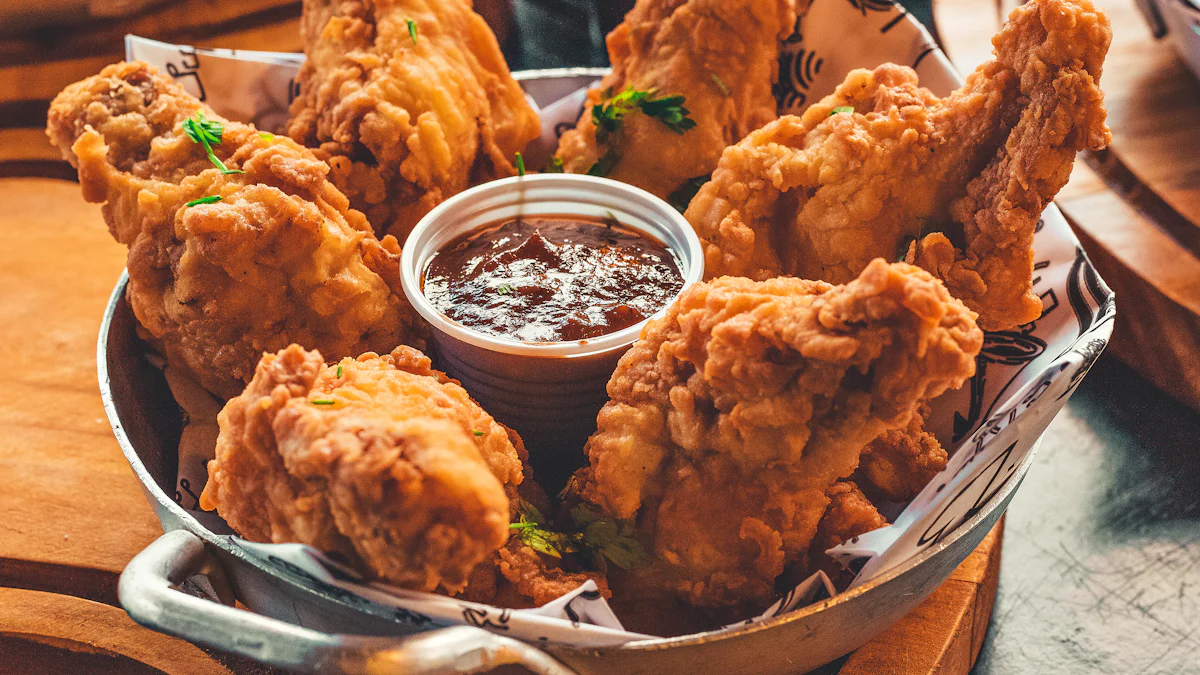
(736, 412)
(720, 56)
(901, 462)
(820, 195)
(409, 101)
(225, 266)
(379, 459)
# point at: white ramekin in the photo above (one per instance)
(549, 392)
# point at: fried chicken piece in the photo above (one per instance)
(820, 195)
(280, 258)
(722, 57)
(735, 413)
(901, 462)
(379, 459)
(407, 119)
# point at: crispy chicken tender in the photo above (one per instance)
(379, 459)
(735, 413)
(820, 195)
(407, 120)
(280, 258)
(721, 56)
(901, 462)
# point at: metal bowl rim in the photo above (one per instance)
(222, 542)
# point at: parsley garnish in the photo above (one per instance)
(504, 289)
(267, 136)
(682, 196)
(412, 29)
(478, 433)
(207, 133)
(321, 401)
(529, 528)
(204, 200)
(841, 109)
(608, 117)
(339, 373)
(617, 542)
(555, 165)
(719, 83)
(520, 165)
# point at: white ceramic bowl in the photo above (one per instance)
(549, 392)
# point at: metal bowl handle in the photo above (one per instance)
(146, 592)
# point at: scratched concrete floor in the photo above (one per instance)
(1101, 567)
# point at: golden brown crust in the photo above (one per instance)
(722, 57)
(901, 462)
(280, 259)
(407, 124)
(820, 195)
(380, 459)
(735, 412)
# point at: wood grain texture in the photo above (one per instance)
(71, 635)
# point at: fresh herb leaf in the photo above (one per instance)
(841, 109)
(208, 133)
(717, 80)
(529, 528)
(504, 289)
(609, 116)
(321, 401)
(682, 196)
(555, 165)
(211, 199)
(615, 541)
(412, 29)
(478, 433)
(267, 136)
(339, 372)
(669, 111)
(520, 165)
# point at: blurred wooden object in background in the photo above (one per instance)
(47, 44)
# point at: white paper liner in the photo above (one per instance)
(1024, 375)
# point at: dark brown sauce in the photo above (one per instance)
(552, 278)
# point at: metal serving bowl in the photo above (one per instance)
(343, 633)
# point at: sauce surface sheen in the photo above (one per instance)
(552, 278)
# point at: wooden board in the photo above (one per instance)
(74, 514)
(1136, 206)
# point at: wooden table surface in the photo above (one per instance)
(1073, 598)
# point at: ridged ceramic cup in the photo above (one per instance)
(549, 392)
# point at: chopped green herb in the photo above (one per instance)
(267, 136)
(478, 433)
(412, 29)
(504, 289)
(321, 401)
(204, 200)
(339, 373)
(208, 133)
(682, 196)
(841, 109)
(529, 528)
(520, 165)
(615, 541)
(608, 117)
(555, 165)
(669, 111)
(716, 79)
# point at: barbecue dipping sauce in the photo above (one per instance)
(552, 278)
